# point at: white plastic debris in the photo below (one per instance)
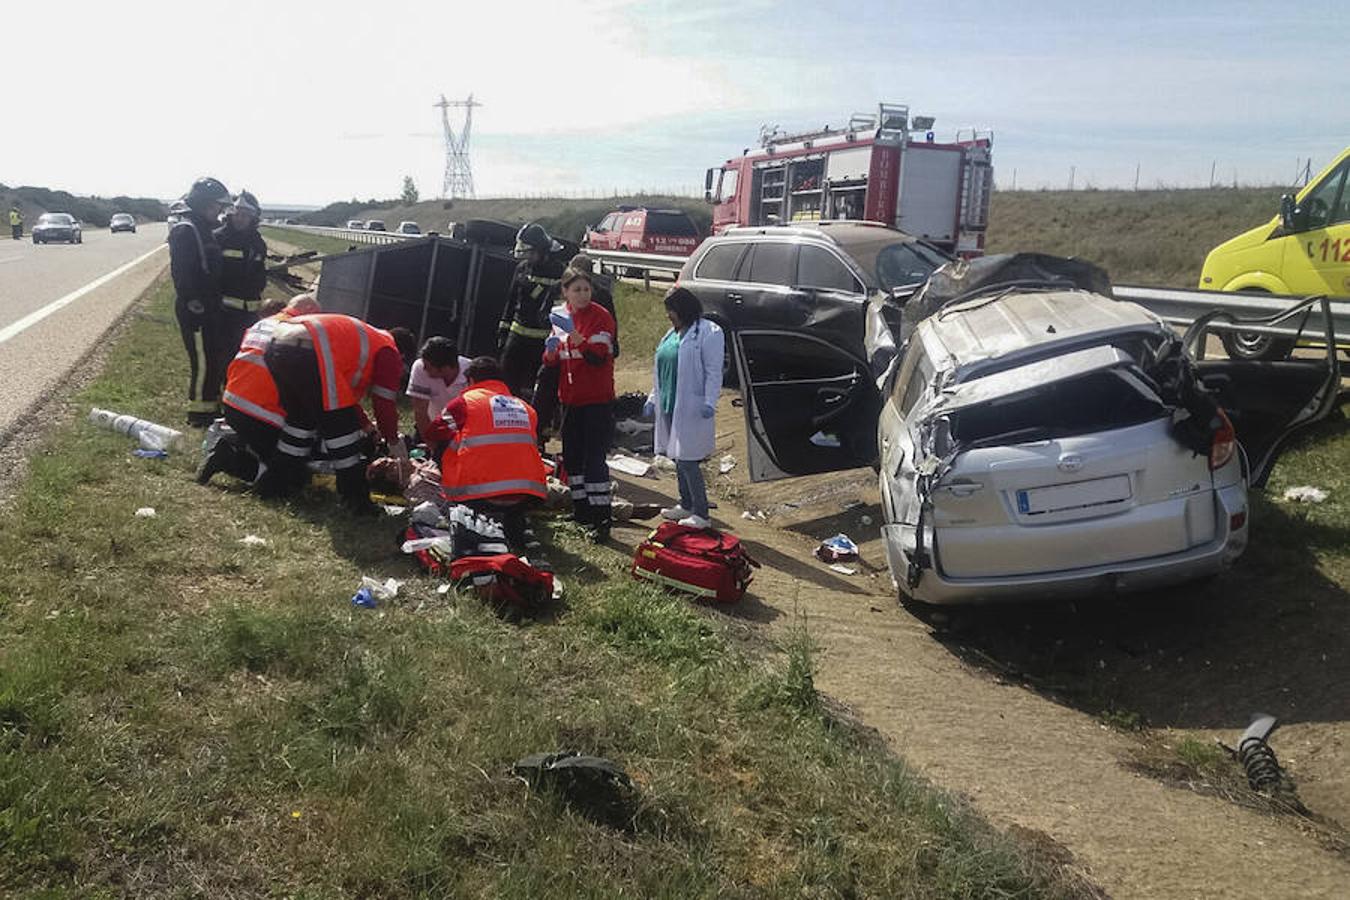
(392, 510)
(1305, 493)
(629, 466)
(843, 570)
(252, 540)
(382, 590)
(444, 543)
(755, 515)
(150, 435)
(557, 588)
(145, 512)
(443, 589)
(726, 464)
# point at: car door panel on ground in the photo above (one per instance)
(810, 407)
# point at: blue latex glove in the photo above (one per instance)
(552, 342)
(649, 410)
(708, 411)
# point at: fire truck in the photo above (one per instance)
(886, 167)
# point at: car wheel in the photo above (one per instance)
(1245, 345)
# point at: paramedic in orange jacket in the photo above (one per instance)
(252, 405)
(491, 461)
(324, 365)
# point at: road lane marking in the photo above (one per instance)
(17, 328)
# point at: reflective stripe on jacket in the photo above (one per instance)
(249, 386)
(345, 348)
(495, 452)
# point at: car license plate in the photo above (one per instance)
(1077, 495)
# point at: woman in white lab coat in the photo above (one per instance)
(686, 381)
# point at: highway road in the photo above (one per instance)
(57, 301)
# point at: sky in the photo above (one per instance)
(306, 102)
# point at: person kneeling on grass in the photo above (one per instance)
(686, 381)
(581, 344)
(491, 461)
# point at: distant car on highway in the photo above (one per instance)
(409, 228)
(57, 226)
(122, 222)
(356, 225)
(376, 225)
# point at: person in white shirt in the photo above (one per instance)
(437, 377)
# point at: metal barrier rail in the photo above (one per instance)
(355, 235)
(647, 263)
(1178, 306)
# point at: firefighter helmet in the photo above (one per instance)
(205, 191)
(534, 237)
(248, 203)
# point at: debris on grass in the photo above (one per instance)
(252, 540)
(1305, 493)
(839, 548)
(726, 464)
(843, 570)
(629, 466)
(145, 512)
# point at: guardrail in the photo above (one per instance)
(1179, 306)
(646, 263)
(355, 235)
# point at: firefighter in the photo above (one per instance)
(195, 264)
(524, 324)
(324, 365)
(243, 273)
(490, 461)
(252, 406)
(15, 222)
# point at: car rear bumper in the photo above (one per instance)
(1115, 578)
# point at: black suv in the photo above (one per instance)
(793, 300)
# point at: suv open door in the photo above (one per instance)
(810, 406)
(1269, 401)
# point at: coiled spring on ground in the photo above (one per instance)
(1258, 759)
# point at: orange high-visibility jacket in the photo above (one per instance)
(249, 386)
(345, 348)
(494, 453)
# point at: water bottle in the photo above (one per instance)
(150, 435)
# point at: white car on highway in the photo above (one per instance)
(1034, 439)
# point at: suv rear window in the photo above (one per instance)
(719, 263)
(672, 224)
(1096, 402)
(772, 263)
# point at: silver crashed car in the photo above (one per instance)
(1036, 437)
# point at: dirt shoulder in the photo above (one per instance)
(1029, 759)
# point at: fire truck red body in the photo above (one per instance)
(883, 168)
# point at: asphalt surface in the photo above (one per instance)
(57, 301)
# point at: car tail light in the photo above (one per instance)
(1237, 520)
(1223, 444)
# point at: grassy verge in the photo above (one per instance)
(181, 713)
(324, 244)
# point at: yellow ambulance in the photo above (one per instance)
(1305, 249)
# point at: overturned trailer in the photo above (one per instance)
(434, 286)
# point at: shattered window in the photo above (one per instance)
(1100, 401)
